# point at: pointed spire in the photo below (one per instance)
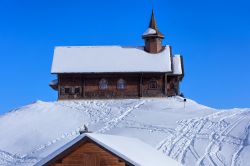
(153, 25)
(153, 37)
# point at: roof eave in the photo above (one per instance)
(153, 36)
(68, 149)
(135, 72)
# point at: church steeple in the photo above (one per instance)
(153, 37)
(152, 23)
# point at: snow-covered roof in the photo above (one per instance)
(149, 31)
(100, 59)
(132, 150)
(177, 65)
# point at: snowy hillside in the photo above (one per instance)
(190, 134)
(218, 139)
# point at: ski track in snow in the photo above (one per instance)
(64, 136)
(109, 125)
(148, 127)
(7, 159)
(188, 131)
(242, 144)
(215, 140)
(114, 122)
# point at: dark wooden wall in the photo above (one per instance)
(173, 83)
(137, 85)
(153, 45)
(90, 154)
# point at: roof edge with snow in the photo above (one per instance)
(110, 59)
(118, 146)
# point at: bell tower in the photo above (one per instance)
(153, 37)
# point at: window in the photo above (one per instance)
(152, 84)
(67, 90)
(62, 91)
(70, 90)
(103, 84)
(121, 84)
(77, 90)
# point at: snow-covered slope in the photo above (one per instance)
(221, 138)
(202, 135)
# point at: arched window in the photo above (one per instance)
(103, 84)
(152, 84)
(121, 84)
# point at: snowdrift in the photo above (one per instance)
(188, 132)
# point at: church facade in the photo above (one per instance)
(105, 72)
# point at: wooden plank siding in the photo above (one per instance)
(88, 153)
(137, 85)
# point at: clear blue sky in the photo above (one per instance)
(213, 36)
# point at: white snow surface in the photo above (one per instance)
(141, 154)
(193, 135)
(177, 65)
(149, 31)
(100, 59)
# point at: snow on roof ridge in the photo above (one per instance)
(177, 55)
(144, 154)
(149, 154)
(83, 59)
(149, 31)
(99, 46)
(167, 45)
(177, 64)
(94, 136)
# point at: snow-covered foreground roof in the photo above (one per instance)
(132, 150)
(99, 59)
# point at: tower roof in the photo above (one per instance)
(152, 30)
